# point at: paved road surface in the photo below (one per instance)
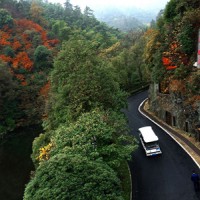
(165, 177)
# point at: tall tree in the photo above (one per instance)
(81, 81)
(68, 12)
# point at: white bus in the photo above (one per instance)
(149, 141)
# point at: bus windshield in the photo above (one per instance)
(151, 145)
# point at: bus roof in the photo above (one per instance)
(148, 134)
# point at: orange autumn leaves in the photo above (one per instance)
(45, 89)
(174, 57)
(5, 58)
(23, 25)
(22, 59)
(4, 38)
(168, 56)
(168, 63)
(20, 40)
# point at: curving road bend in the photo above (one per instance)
(165, 177)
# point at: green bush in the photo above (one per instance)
(186, 40)
(73, 177)
(182, 72)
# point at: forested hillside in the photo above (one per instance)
(64, 69)
(175, 94)
(31, 36)
(32, 33)
(70, 72)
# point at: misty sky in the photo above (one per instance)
(94, 4)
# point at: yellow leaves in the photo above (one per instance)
(36, 12)
(151, 44)
(110, 50)
(113, 47)
(44, 152)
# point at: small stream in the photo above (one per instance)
(16, 163)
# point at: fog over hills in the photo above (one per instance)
(142, 15)
(125, 18)
(125, 15)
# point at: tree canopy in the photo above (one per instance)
(82, 158)
(82, 81)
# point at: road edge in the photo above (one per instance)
(168, 132)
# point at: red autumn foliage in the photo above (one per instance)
(24, 83)
(172, 58)
(51, 43)
(20, 77)
(171, 67)
(5, 58)
(28, 46)
(16, 45)
(28, 25)
(174, 45)
(20, 39)
(24, 24)
(22, 59)
(4, 38)
(166, 61)
(45, 89)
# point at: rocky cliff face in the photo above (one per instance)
(177, 102)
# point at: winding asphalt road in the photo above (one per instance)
(165, 177)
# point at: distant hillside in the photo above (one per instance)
(125, 18)
(122, 22)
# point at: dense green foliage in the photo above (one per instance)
(75, 128)
(42, 57)
(69, 176)
(8, 94)
(77, 62)
(97, 135)
(83, 159)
